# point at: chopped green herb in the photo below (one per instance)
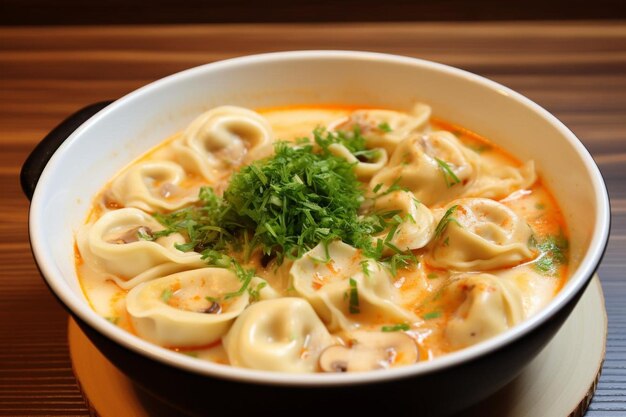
(113, 320)
(302, 141)
(384, 126)
(166, 295)
(479, 147)
(554, 252)
(395, 186)
(192, 354)
(400, 260)
(144, 233)
(284, 206)
(432, 315)
(255, 293)
(396, 328)
(365, 268)
(448, 175)
(540, 206)
(432, 275)
(354, 297)
(445, 221)
(353, 140)
(446, 241)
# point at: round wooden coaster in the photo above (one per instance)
(559, 382)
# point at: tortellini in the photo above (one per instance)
(115, 244)
(186, 309)
(154, 185)
(433, 166)
(418, 223)
(346, 288)
(441, 245)
(224, 138)
(483, 306)
(386, 128)
(281, 334)
(480, 234)
(363, 169)
(498, 181)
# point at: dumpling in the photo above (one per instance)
(386, 128)
(281, 334)
(433, 166)
(363, 169)
(224, 138)
(418, 225)
(114, 244)
(345, 288)
(186, 309)
(479, 234)
(481, 306)
(151, 186)
(498, 181)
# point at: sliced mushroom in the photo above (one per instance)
(370, 351)
(214, 308)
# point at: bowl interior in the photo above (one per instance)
(135, 123)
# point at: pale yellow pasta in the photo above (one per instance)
(462, 242)
(483, 306)
(327, 286)
(480, 234)
(153, 186)
(420, 162)
(174, 310)
(281, 334)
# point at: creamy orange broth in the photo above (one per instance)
(420, 287)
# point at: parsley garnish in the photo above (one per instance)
(395, 328)
(445, 221)
(166, 295)
(284, 206)
(384, 126)
(432, 315)
(448, 175)
(353, 140)
(255, 293)
(354, 297)
(479, 147)
(554, 251)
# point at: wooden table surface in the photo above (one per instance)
(576, 70)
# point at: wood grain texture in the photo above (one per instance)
(72, 12)
(575, 70)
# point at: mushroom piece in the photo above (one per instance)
(370, 351)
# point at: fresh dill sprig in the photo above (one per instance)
(448, 174)
(396, 328)
(445, 221)
(354, 297)
(384, 126)
(286, 205)
(554, 252)
(353, 140)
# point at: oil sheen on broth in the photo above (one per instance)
(366, 239)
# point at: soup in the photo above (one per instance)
(322, 239)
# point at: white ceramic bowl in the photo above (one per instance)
(108, 141)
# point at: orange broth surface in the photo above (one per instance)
(420, 287)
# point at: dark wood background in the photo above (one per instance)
(80, 12)
(577, 70)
